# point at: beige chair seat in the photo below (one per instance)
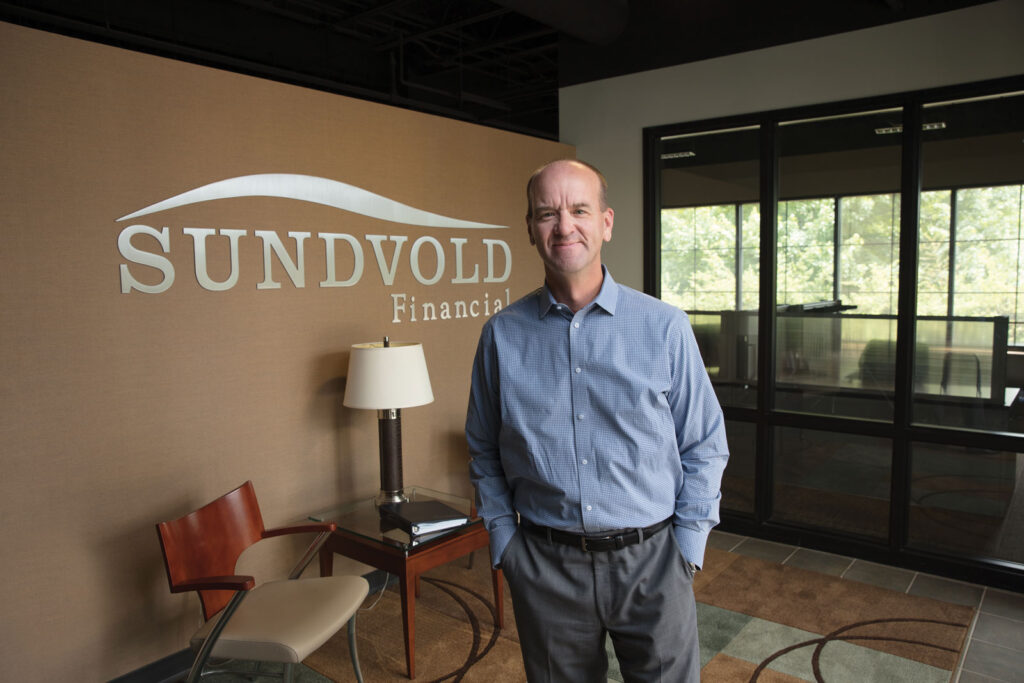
(278, 621)
(285, 621)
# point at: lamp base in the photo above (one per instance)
(390, 497)
(389, 424)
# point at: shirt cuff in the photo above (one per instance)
(500, 535)
(691, 544)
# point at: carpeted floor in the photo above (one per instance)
(758, 621)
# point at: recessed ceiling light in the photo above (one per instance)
(678, 155)
(890, 130)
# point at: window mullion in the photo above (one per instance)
(738, 219)
(951, 265)
(836, 252)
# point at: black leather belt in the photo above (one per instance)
(598, 543)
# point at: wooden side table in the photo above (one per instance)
(359, 536)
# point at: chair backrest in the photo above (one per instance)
(959, 367)
(209, 541)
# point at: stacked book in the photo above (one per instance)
(420, 517)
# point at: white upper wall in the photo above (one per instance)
(605, 119)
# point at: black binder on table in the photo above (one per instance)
(422, 516)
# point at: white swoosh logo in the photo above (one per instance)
(311, 189)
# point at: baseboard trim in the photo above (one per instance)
(171, 668)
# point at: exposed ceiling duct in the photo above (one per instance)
(498, 63)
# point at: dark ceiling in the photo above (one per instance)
(498, 63)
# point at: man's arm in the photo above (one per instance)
(483, 430)
(703, 449)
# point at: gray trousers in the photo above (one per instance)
(567, 600)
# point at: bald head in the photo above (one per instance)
(530, 184)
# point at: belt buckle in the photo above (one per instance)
(617, 540)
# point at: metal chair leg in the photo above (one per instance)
(352, 649)
(288, 675)
(196, 672)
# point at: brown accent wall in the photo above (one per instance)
(122, 409)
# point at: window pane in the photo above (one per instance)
(714, 278)
(983, 267)
(710, 248)
(969, 302)
(833, 481)
(838, 273)
(869, 258)
(805, 251)
(979, 303)
(738, 479)
(806, 222)
(957, 365)
(933, 253)
(750, 255)
(962, 501)
(751, 226)
(677, 267)
(988, 213)
(872, 219)
(677, 229)
(805, 273)
(715, 227)
(699, 257)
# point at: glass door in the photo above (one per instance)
(709, 255)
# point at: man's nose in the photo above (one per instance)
(564, 222)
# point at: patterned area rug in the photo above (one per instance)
(761, 621)
(758, 621)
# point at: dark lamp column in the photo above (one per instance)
(387, 377)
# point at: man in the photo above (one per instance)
(597, 448)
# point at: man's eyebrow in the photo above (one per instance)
(577, 205)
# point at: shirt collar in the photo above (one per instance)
(607, 298)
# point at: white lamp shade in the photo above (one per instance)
(385, 377)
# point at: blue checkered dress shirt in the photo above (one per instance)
(595, 421)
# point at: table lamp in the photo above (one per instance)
(386, 377)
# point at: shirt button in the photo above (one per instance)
(584, 461)
(576, 325)
(589, 508)
(579, 370)
(579, 417)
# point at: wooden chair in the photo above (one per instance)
(278, 621)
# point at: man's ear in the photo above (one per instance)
(609, 221)
(529, 232)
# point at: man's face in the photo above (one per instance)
(568, 225)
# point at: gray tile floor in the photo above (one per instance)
(995, 651)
